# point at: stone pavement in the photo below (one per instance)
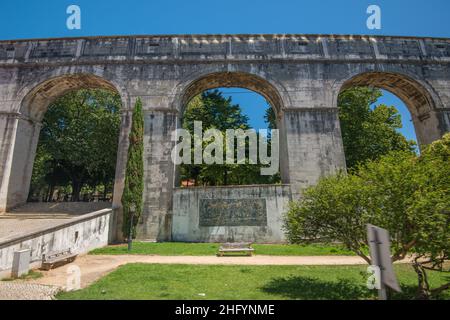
(34, 216)
(13, 290)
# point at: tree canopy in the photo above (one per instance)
(216, 111)
(78, 143)
(406, 194)
(367, 132)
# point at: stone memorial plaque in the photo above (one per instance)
(232, 212)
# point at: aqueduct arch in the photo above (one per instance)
(235, 79)
(30, 114)
(418, 99)
(231, 79)
(300, 75)
(36, 101)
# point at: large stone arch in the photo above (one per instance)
(187, 204)
(195, 84)
(198, 83)
(35, 103)
(418, 96)
(30, 109)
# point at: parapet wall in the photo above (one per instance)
(116, 49)
(81, 235)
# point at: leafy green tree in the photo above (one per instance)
(401, 192)
(48, 174)
(215, 111)
(132, 198)
(369, 133)
(270, 118)
(431, 209)
(78, 141)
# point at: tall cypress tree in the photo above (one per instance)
(134, 178)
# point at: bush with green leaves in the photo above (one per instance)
(406, 194)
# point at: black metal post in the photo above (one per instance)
(130, 232)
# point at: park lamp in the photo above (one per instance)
(130, 232)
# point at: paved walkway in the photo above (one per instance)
(34, 216)
(93, 267)
(12, 290)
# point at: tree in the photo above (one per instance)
(401, 192)
(431, 209)
(367, 132)
(218, 112)
(270, 118)
(78, 141)
(214, 111)
(132, 201)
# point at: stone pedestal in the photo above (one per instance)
(21, 263)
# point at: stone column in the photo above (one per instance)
(19, 143)
(444, 121)
(156, 221)
(313, 144)
(8, 127)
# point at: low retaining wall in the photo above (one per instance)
(230, 214)
(80, 234)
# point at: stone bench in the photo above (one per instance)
(57, 259)
(236, 248)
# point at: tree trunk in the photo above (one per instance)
(195, 180)
(423, 291)
(76, 189)
(225, 177)
(51, 189)
(105, 193)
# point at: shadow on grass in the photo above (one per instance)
(306, 288)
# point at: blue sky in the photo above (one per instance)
(47, 18)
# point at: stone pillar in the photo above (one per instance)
(431, 126)
(444, 121)
(428, 127)
(8, 126)
(156, 221)
(19, 143)
(313, 144)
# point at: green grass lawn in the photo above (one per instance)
(217, 282)
(209, 249)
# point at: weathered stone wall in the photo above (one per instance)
(81, 235)
(230, 214)
(300, 75)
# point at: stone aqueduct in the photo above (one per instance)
(300, 75)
